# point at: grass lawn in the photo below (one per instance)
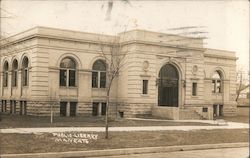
(15, 121)
(33, 143)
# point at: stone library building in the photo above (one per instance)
(45, 70)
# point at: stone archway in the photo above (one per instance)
(168, 85)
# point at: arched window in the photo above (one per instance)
(5, 73)
(99, 74)
(67, 72)
(25, 71)
(216, 82)
(14, 73)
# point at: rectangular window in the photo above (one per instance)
(204, 109)
(220, 110)
(94, 79)
(72, 109)
(25, 107)
(102, 79)
(21, 108)
(72, 78)
(14, 106)
(63, 77)
(63, 108)
(194, 89)
(145, 87)
(103, 108)
(11, 105)
(95, 109)
(5, 105)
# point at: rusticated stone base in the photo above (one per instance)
(229, 110)
(134, 109)
(116, 110)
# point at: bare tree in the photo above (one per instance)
(242, 83)
(115, 58)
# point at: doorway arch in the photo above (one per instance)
(168, 85)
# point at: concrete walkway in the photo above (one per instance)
(229, 125)
(126, 152)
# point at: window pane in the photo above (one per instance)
(99, 65)
(25, 62)
(103, 108)
(5, 74)
(204, 109)
(95, 109)
(15, 65)
(194, 89)
(25, 107)
(94, 79)
(72, 109)
(14, 78)
(25, 77)
(103, 80)
(25, 71)
(72, 77)
(63, 108)
(145, 87)
(5, 79)
(216, 75)
(14, 106)
(21, 107)
(11, 105)
(218, 86)
(63, 77)
(67, 63)
(5, 105)
(213, 86)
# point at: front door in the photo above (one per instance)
(168, 86)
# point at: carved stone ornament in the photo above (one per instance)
(145, 65)
(195, 69)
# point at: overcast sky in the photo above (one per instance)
(226, 22)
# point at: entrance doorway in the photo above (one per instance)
(168, 86)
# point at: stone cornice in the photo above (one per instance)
(220, 56)
(9, 41)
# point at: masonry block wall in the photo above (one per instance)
(136, 89)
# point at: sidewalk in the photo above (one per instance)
(126, 151)
(230, 125)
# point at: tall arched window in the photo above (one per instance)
(25, 71)
(5, 73)
(14, 73)
(99, 74)
(216, 82)
(67, 72)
